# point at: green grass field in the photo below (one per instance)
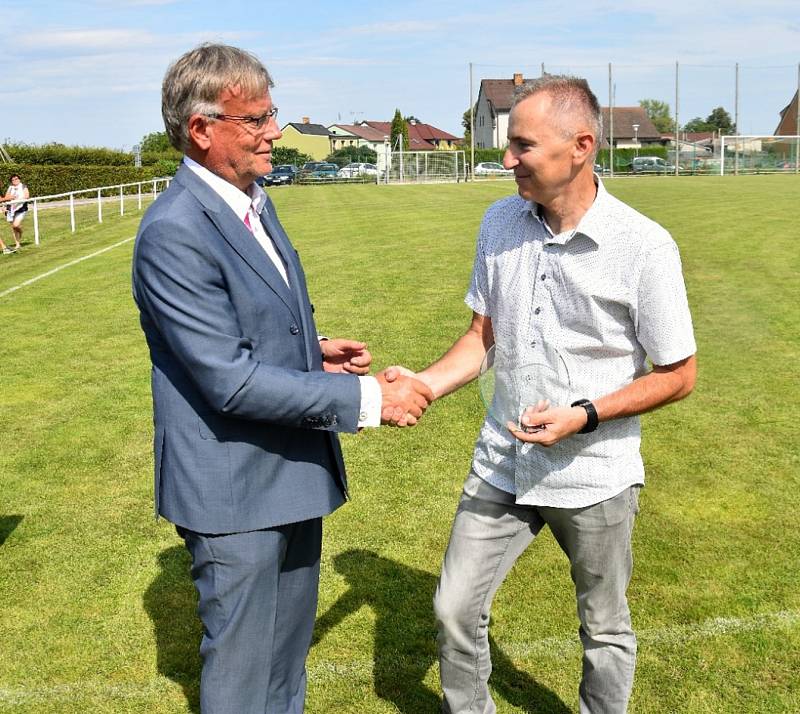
(97, 605)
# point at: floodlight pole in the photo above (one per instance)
(610, 122)
(677, 125)
(736, 124)
(471, 124)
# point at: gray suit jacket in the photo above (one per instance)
(244, 415)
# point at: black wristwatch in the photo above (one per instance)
(591, 415)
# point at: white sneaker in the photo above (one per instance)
(7, 251)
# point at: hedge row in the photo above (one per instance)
(624, 157)
(49, 180)
(60, 155)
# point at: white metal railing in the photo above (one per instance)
(96, 194)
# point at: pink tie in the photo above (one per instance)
(247, 221)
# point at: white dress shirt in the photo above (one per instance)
(249, 205)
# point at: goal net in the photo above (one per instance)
(759, 154)
(422, 166)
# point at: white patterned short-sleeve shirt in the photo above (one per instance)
(604, 298)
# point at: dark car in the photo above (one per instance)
(324, 170)
(280, 175)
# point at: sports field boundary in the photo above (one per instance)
(324, 670)
(55, 270)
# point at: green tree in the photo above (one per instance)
(289, 155)
(719, 120)
(155, 141)
(466, 122)
(411, 118)
(352, 154)
(722, 121)
(399, 128)
(659, 114)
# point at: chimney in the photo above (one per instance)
(518, 79)
(306, 120)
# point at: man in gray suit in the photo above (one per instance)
(247, 399)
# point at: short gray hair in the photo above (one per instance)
(193, 83)
(571, 99)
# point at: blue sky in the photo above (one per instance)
(90, 72)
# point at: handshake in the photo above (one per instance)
(405, 396)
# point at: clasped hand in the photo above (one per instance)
(405, 397)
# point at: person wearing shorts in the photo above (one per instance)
(15, 212)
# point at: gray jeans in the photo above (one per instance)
(489, 533)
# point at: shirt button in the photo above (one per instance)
(362, 416)
(544, 277)
(294, 329)
(537, 311)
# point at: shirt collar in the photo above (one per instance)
(591, 223)
(239, 202)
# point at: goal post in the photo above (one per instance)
(759, 154)
(424, 167)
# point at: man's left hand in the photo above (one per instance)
(558, 423)
(340, 355)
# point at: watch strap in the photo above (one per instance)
(592, 420)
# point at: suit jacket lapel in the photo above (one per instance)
(274, 228)
(238, 236)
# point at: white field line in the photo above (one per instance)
(25, 283)
(362, 669)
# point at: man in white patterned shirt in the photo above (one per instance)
(562, 269)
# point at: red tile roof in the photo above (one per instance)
(500, 92)
(421, 137)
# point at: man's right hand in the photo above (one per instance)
(405, 399)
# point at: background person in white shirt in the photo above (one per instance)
(15, 212)
(566, 269)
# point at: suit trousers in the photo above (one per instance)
(489, 533)
(257, 601)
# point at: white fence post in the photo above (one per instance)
(70, 196)
(35, 222)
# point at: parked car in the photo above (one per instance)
(491, 168)
(357, 169)
(281, 175)
(322, 170)
(310, 166)
(651, 165)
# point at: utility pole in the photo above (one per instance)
(471, 125)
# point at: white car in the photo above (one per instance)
(357, 169)
(491, 168)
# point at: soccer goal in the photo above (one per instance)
(759, 154)
(423, 167)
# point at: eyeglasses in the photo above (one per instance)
(255, 122)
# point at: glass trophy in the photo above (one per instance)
(509, 385)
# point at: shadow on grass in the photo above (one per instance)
(405, 631)
(7, 526)
(171, 603)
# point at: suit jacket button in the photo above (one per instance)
(294, 329)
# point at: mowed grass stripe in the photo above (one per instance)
(96, 592)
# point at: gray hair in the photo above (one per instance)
(572, 99)
(193, 83)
